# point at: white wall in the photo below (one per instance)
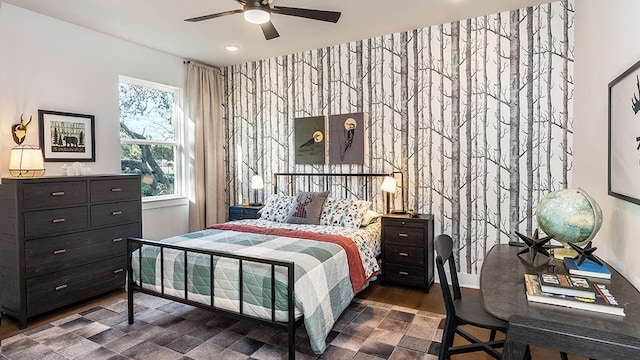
(49, 64)
(606, 44)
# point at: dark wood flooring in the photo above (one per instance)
(398, 295)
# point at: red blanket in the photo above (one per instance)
(356, 270)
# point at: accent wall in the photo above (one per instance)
(476, 114)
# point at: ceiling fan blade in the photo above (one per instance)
(269, 30)
(322, 15)
(211, 16)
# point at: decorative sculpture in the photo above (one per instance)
(585, 253)
(534, 245)
(19, 131)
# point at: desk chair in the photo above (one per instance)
(467, 311)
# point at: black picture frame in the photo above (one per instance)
(67, 136)
(624, 136)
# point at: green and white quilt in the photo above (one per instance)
(322, 284)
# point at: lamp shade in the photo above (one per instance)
(26, 161)
(256, 16)
(389, 184)
(256, 182)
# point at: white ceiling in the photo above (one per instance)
(159, 24)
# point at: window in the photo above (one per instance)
(149, 136)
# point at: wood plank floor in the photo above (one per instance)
(398, 295)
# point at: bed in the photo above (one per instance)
(273, 270)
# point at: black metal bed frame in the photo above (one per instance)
(292, 323)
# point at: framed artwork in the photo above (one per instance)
(309, 140)
(67, 136)
(346, 139)
(624, 135)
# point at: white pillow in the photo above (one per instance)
(277, 207)
(370, 217)
(343, 212)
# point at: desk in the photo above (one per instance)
(580, 332)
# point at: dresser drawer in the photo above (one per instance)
(404, 274)
(403, 235)
(52, 291)
(57, 253)
(116, 213)
(52, 222)
(401, 254)
(58, 194)
(114, 189)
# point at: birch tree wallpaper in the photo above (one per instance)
(477, 115)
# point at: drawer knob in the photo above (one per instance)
(61, 287)
(57, 193)
(403, 223)
(403, 235)
(117, 212)
(57, 221)
(403, 273)
(118, 271)
(117, 239)
(116, 189)
(61, 251)
(403, 254)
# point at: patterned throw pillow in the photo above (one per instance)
(344, 212)
(307, 207)
(277, 208)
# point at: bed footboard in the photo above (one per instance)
(135, 284)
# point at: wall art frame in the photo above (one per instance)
(67, 136)
(624, 136)
(346, 139)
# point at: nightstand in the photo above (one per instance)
(407, 250)
(239, 212)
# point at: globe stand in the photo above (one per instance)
(564, 252)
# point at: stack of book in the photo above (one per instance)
(571, 291)
(588, 268)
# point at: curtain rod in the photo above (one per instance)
(186, 62)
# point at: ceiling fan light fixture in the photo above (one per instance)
(257, 16)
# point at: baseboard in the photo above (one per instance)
(465, 280)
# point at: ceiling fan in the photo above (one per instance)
(259, 12)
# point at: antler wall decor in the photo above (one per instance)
(19, 131)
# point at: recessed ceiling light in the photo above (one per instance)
(232, 48)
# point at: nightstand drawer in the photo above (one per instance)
(404, 274)
(404, 235)
(244, 212)
(400, 254)
(404, 223)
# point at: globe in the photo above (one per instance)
(570, 215)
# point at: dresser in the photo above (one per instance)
(238, 212)
(407, 250)
(63, 239)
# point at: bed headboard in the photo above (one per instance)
(363, 185)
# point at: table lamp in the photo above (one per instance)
(26, 161)
(256, 184)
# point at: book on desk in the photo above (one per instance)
(588, 268)
(604, 301)
(566, 285)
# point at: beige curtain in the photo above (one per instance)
(204, 97)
